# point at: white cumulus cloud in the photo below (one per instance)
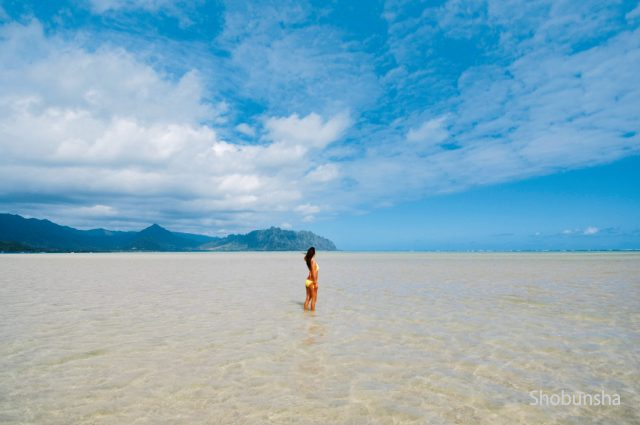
(591, 230)
(310, 132)
(107, 132)
(431, 131)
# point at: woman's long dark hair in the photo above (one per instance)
(307, 258)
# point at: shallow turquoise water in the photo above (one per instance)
(397, 338)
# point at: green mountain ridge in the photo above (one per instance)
(272, 239)
(19, 234)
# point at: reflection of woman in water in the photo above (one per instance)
(312, 280)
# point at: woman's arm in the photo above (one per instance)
(314, 273)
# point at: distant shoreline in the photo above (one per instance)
(19, 234)
(601, 251)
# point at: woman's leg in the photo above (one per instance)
(309, 296)
(314, 297)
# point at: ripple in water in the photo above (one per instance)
(397, 338)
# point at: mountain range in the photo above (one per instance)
(19, 234)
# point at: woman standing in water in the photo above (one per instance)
(312, 280)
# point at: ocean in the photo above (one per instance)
(397, 338)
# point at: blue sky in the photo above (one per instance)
(382, 125)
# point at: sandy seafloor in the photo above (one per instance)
(398, 338)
